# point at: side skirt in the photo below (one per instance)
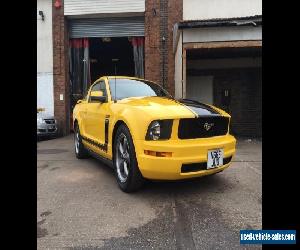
(106, 161)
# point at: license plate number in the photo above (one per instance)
(215, 158)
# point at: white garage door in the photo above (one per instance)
(200, 88)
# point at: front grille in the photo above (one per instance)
(194, 167)
(192, 128)
(49, 121)
(51, 130)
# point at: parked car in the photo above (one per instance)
(46, 124)
(143, 133)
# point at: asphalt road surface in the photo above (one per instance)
(79, 205)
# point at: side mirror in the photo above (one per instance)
(79, 101)
(97, 96)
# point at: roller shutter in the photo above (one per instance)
(107, 27)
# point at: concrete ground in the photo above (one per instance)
(79, 205)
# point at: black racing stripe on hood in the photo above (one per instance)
(199, 108)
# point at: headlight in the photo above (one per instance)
(154, 131)
(159, 130)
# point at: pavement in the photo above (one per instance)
(79, 205)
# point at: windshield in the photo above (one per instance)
(135, 88)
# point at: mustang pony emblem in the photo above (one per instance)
(207, 126)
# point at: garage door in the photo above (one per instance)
(107, 27)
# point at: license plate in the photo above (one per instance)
(215, 158)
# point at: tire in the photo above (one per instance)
(80, 151)
(127, 172)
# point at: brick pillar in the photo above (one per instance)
(175, 9)
(160, 17)
(164, 38)
(152, 40)
(60, 70)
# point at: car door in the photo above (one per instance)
(96, 126)
(82, 114)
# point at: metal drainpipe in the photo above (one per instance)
(163, 60)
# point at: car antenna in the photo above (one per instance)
(115, 60)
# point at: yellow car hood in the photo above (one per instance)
(162, 107)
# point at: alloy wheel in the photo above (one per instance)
(76, 141)
(122, 158)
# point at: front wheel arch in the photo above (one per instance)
(134, 179)
(117, 125)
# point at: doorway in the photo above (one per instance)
(229, 78)
(94, 57)
(103, 50)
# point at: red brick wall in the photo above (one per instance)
(60, 69)
(152, 41)
(157, 54)
(175, 9)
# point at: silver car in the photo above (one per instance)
(46, 125)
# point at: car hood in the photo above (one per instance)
(44, 115)
(171, 108)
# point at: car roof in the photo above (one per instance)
(124, 77)
(129, 77)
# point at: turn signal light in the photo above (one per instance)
(158, 154)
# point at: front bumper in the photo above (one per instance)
(47, 129)
(183, 152)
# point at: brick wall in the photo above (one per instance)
(160, 17)
(60, 70)
(175, 15)
(152, 40)
(164, 38)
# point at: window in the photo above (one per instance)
(135, 88)
(96, 87)
(103, 88)
(99, 86)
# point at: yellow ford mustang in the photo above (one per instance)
(144, 133)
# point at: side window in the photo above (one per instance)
(96, 87)
(103, 88)
(100, 86)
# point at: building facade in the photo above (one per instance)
(217, 48)
(206, 50)
(44, 56)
